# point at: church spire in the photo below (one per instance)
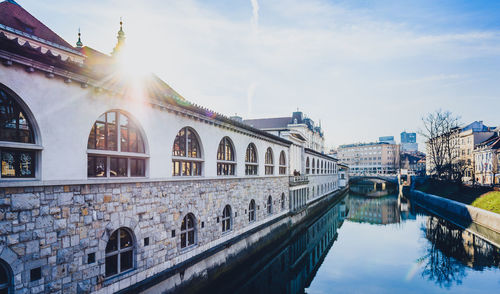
(79, 43)
(121, 39)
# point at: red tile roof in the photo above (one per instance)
(16, 17)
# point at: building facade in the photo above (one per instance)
(370, 158)
(487, 162)
(103, 187)
(462, 143)
(409, 142)
(298, 128)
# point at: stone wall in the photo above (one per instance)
(55, 228)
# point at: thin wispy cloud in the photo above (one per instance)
(255, 15)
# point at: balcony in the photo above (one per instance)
(298, 180)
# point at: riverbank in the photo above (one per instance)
(480, 197)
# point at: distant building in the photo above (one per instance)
(414, 162)
(463, 142)
(295, 127)
(487, 161)
(387, 139)
(370, 158)
(409, 141)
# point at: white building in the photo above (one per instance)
(370, 158)
(109, 178)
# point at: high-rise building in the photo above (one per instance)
(409, 142)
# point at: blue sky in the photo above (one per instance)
(364, 68)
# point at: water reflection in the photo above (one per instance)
(293, 269)
(331, 252)
(383, 210)
(450, 249)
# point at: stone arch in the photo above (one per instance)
(12, 261)
(116, 223)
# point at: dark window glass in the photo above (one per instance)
(35, 274)
(5, 278)
(137, 167)
(18, 163)
(96, 166)
(14, 125)
(118, 167)
(111, 265)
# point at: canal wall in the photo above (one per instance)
(481, 221)
(236, 255)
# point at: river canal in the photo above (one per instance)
(367, 244)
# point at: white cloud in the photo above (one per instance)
(255, 15)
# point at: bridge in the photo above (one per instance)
(393, 179)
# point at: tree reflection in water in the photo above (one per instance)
(450, 250)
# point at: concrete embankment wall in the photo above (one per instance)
(460, 213)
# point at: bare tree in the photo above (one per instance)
(441, 129)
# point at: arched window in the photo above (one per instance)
(226, 219)
(186, 154)
(225, 158)
(15, 127)
(269, 205)
(5, 278)
(188, 237)
(307, 166)
(282, 201)
(251, 211)
(114, 132)
(251, 164)
(269, 162)
(119, 252)
(313, 167)
(282, 163)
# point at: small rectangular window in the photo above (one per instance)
(146, 241)
(35, 274)
(91, 258)
(173, 233)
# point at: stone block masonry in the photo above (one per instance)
(62, 231)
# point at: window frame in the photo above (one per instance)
(225, 164)
(118, 154)
(118, 252)
(185, 232)
(34, 144)
(250, 165)
(252, 212)
(186, 159)
(282, 164)
(307, 166)
(269, 162)
(227, 219)
(269, 205)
